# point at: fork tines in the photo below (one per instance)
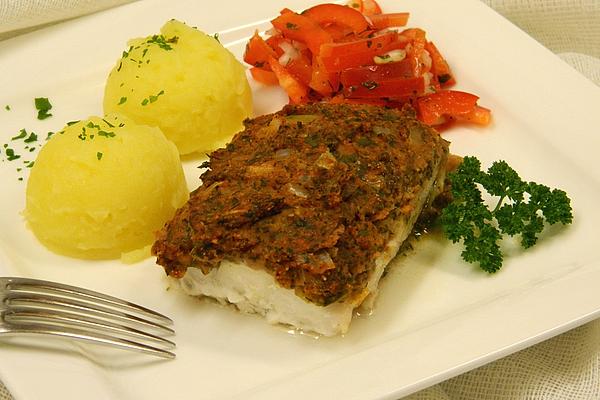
(40, 307)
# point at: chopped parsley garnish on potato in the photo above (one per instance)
(152, 98)
(163, 42)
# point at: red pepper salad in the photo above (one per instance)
(355, 53)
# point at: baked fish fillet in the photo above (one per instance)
(299, 215)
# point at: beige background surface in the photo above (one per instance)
(566, 367)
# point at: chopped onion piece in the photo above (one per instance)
(326, 160)
(429, 88)
(390, 56)
(289, 53)
(282, 153)
(426, 59)
(297, 190)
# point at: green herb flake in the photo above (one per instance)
(108, 123)
(370, 84)
(10, 154)
(364, 141)
(99, 156)
(216, 37)
(49, 135)
(444, 78)
(312, 140)
(152, 98)
(73, 122)
(42, 104)
(122, 100)
(106, 134)
(163, 42)
(29, 164)
(126, 52)
(7, 107)
(22, 134)
(31, 138)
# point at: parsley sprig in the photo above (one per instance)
(522, 208)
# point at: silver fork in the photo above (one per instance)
(36, 307)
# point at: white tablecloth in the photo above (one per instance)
(566, 367)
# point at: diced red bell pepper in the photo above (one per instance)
(479, 115)
(337, 14)
(382, 21)
(341, 99)
(367, 7)
(370, 7)
(418, 41)
(322, 81)
(296, 90)
(372, 44)
(439, 66)
(391, 88)
(435, 108)
(301, 68)
(336, 60)
(339, 56)
(299, 27)
(376, 73)
(338, 32)
(258, 52)
(263, 76)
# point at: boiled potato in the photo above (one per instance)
(184, 82)
(102, 187)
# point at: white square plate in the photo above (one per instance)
(436, 316)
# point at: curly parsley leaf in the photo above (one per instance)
(522, 208)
